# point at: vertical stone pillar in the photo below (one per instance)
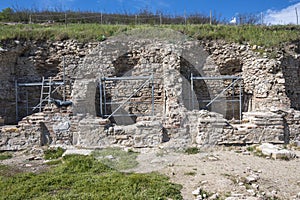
(83, 96)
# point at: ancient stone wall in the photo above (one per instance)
(269, 87)
(263, 78)
(291, 73)
(28, 62)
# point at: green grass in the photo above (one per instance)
(84, 177)
(53, 153)
(4, 156)
(80, 32)
(121, 160)
(266, 36)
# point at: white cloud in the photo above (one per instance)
(284, 16)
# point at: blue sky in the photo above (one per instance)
(274, 11)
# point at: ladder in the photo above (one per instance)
(45, 93)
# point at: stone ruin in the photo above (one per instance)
(137, 90)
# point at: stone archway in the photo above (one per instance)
(169, 62)
(200, 90)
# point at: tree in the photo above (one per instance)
(6, 13)
(248, 19)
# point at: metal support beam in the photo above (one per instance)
(240, 98)
(53, 83)
(215, 77)
(100, 97)
(123, 78)
(16, 93)
(232, 96)
(104, 98)
(27, 111)
(152, 93)
(192, 91)
(64, 78)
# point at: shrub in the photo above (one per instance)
(53, 153)
(192, 150)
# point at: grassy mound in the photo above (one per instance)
(116, 158)
(84, 177)
(266, 36)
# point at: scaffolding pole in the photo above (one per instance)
(192, 91)
(152, 93)
(27, 111)
(232, 97)
(64, 78)
(240, 98)
(16, 93)
(104, 98)
(100, 98)
(18, 85)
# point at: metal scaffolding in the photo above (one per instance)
(52, 86)
(48, 87)
(105, 83)
(234, 81)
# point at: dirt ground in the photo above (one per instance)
(232, 173)
(225, 173)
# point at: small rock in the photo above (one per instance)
(196, 192)
(110, 157)
(248, 169)
(274, 192)
(255, 186)
(213, 158)
(1, 49)
(204, 182)
(214, 196)
(252, 178)
(199, 197)
(275, 152)
(251, 192)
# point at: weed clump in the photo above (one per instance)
(4, 156)
(53, 153)
(192, 150)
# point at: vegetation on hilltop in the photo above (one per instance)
(267, 36)
(92, 26)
